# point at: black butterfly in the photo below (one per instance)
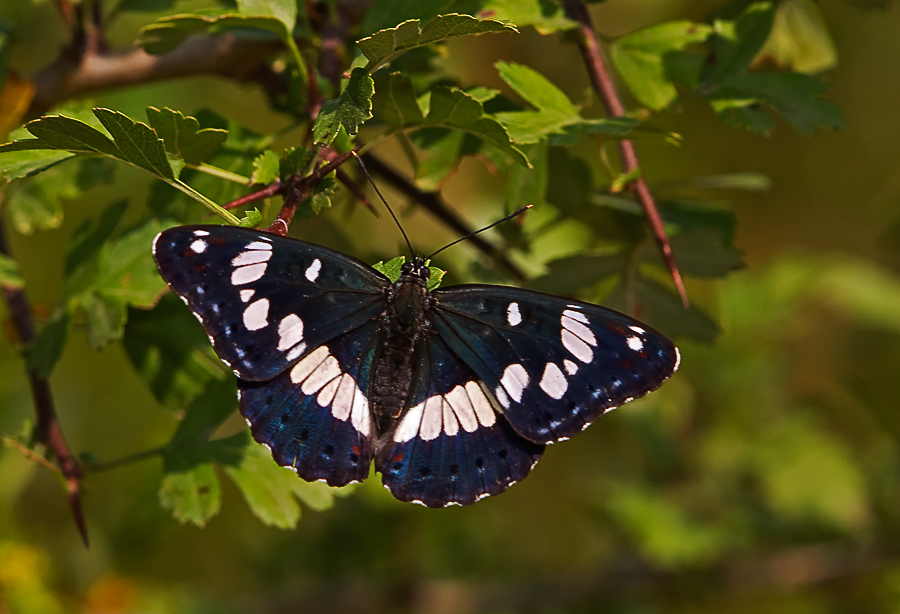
(454, 392)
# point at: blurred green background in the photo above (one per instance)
(764, 477)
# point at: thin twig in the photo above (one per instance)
(273, 189)
(48, 430)
(433, 204)
(603, 84)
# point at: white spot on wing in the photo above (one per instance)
(251, 257)
(515, 380)
(324, 373)
(296, 352)
(198, 246)
(571, 367)
(677, 360)
(306, 366)
(635, 344)
(637, 329)
(409, 426)
(462, 406)
(259, 245)
(290, 332)
(512, 314)
(246, 295)
(451, 426)
(343, 398)
(360, 415)
(246, 274)
(480, 403)
(201, 233)
(554, 382)
(576, 315)
(431, 419)
(326, 395)
(256, 315)
(578, 327)
(580, 349)
(312, 273)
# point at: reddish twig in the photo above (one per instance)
(298, 189)
(603, 84)
(273, 189)
(48, 430)
(432, 203)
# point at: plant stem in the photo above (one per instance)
(221, 173)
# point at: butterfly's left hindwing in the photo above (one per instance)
(554, 365)
(264, 300)
(315, 417)
(451, 446)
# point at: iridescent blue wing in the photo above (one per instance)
(554, 365)
(315, 417)
(451, 446)
(264, 300)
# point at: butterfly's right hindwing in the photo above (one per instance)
(264, 300)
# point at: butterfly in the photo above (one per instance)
(454, 393)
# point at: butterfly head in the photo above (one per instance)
(417, 270)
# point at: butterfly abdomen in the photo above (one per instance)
(404, 321)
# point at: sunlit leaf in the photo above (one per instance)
(182, 135)
(350, 110)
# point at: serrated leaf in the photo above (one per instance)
(182, 135)
(265, 168)
(136, 142)
(170, 31)
(387, 45)
(48, 347)
(10, 275)
(434, 280)
(390, 269)
(543, 15)
(61, 132)
(170, 351)
(190, 488)
(395, 102)
(800, 39)
(701, 253)
(125, 268)
(105, 318)
(736, 43)
(294, 161)
(19, 164)
(350, 110)
(568, 275)
(321, 196)
(746, 113)
(252, 219)
(640, 59)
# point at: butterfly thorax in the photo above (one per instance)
(404, 323)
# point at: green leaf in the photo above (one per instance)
(701, 253)
(137, 142)
(390, 269)
(350, 110)
(252, 219)
(284, 11)
(736, 43)
(170, 31)
(434, 280)
(663, 310)
(10, 275)
(556, 113)
(105, 318)
(800, 39)
(387, 45)
(205, 414)
(746, 113)
(640, 59)
(749, 182)
(265, 168)
(568, 275)
(621, 181)
(48, 347)
(395, 102)
(528, 186)
(18, 164)
(190, 488)
(545, 16)
(183, 137)
(294, 161)
(61, 132)
(170, 351)
(88, 240)
(321, 196)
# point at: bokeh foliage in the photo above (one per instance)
(764, 476)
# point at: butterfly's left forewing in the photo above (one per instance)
(553, 364)
(264, 300)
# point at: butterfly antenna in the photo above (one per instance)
(412, 253)
(472, 234)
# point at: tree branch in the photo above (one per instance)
(433, 204)
(48, 430)
(603, 84)
(222, 54)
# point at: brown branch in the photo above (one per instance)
(602, 81)
(48, 430)
(433, 204)
(223, 54)
(273, 189)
